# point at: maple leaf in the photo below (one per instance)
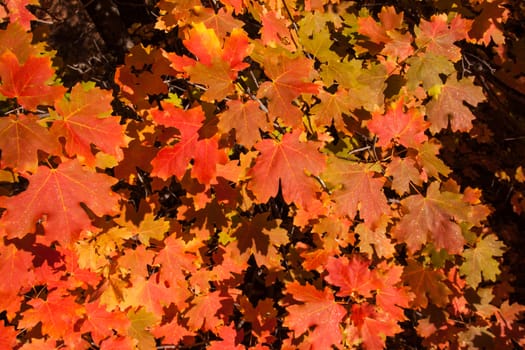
(262, 240)
(29, 82)
(479, 261)
(204, 310)
(246, 118)
(149, 293)
(356, 187)
(377, 237)
(172, 332)
(58, 314)
(318, 310)
(21, 136)
(426, 283)
(351, 276)
(8, 337)
(286, 163)
(427, 159)
(217, 66)
(449, 104)
(83, 118)
(332, 108)
(426, 69)
(174, 160)
(175, 260)
(438, 36)
(102, 323)
(407, 129)
(290, 77)
(403, 172)
(429, 219)
(488, 23)
(142, 75)
(391, 296)
(141, 323)
(387, 32)
(221, 21)
(54, 197)
(229, 340)
(370, 327)
(18, 12)
(262, 318)
(16, 267)
(18, 40)
(274, 31)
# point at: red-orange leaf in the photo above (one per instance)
(370, 327)
(438, 36)
(290, 77)
(53, 198)
(426, 283)
(84, 119)
(204, 310)
(58, 314)
(28, 82)
(16, 269)
(351, 276)
(246, 118)
(18, 12)
(449, 104)
(430, 219)
(356, 188)
(286, 163)
(407, 129)
(319, 310)
(21, 136)
(174, 160)
(102, 323)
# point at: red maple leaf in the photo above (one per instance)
(18, 12)
(8, 337)
(101, 323)
(54, 198)
(286, 163)
(407, 129)
(319, 310)
(28, 82)
(58, 314)
(351, 276)
(174, 160)
(21, 136)
(16, 268)
(84, 119)
(438, 35)
(370, 327)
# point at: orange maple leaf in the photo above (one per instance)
(406, 128)
(28, 82)
(290, 77)
(54, 198)
(21, 137)
(84, 119)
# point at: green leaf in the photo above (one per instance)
(426, 69)
(479, 261)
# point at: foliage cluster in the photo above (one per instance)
(276, 182)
